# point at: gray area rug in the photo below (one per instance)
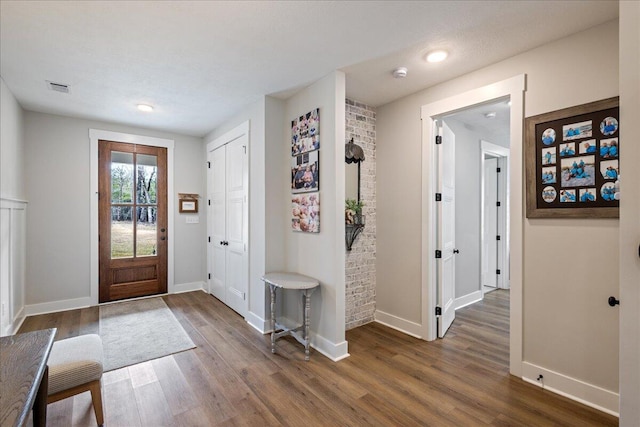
(141, 330)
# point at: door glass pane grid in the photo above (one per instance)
(133, 205)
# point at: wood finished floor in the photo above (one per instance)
(390, 379)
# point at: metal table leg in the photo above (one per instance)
(307, 308)
(272, 290)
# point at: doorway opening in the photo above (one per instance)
(472, 213)
(432, 114)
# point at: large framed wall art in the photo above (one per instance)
(572, 160)
(305, 172)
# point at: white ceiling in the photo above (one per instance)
(496, 128)
(198, 63)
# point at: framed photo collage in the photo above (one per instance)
(572, 162)
(305, 172)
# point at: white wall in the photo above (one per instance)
(568, 327)
(629, 216)
(11, 145)
(467, 222)
(321, 255)
(468, 203)
(57, 173)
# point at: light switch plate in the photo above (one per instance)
(193, 219)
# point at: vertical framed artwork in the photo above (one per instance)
(572, 162)
(305, 133)
(305, 172)
(305, 212)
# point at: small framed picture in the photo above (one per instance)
(188, 206)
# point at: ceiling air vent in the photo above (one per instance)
(58, 87)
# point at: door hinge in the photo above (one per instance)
(244, 147)
(498, 170)
(438, 140)
(209, 239)
(498, 271)
(209, 202)
(438, 253)
(209, 165)
(498, 204)
(498, 237)
(438, 311)
(209, 276)
(438, 197)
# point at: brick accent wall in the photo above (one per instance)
(360, 269)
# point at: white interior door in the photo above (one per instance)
(490, 223)
(217, 222)
(502, 220)
(236, 186)
(446, 229)
(227, 222)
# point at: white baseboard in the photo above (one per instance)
(333, 351)
(55, 306)
(188, 287)
(18, 320)
(258, 323)
(572, 388)
(405, 326)
(73, 304)
(468, 299)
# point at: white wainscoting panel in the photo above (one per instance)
(13, 222)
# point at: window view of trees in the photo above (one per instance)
(123, 208)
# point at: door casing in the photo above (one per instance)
(241, 131)
(94, 136)
(512, 89)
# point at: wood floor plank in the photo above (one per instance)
(391, 379)
(152, 405)
(175, 387)
(120, 405)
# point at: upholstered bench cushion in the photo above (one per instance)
(74, 361)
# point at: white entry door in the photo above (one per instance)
(490, 223)
(228, 181)
(446, 229)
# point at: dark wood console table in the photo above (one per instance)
(24, 377)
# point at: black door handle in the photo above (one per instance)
(221, 242)
(613, 301)
(455, 251)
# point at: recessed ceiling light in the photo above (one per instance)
(400, 72)
(144, 107)
(490, 115)
(437, 56)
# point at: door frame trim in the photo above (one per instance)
(512, 88)
(94, 136)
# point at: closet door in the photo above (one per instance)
(217, 223)
(227, 223)
(236, 285)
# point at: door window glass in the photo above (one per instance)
(134, 204)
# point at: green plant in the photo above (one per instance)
(354, 205)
